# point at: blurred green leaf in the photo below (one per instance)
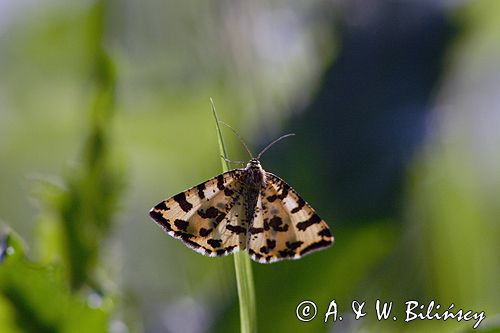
(82, 211)
(35, 298)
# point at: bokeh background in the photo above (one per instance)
(104, 111)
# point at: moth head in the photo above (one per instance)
(253, 162)
(255, 173)
(254, 167)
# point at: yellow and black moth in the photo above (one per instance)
(244, 209)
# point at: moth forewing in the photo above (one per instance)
(206, 217)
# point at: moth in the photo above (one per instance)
(244, 209)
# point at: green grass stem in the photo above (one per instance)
(242, 264)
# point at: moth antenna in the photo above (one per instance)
(239, 137)
(231, 161)
(272, 143)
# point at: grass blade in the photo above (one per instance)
(242, 264)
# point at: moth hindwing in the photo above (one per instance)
(244, 209)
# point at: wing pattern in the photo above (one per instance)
(207, 217)
(284, 225)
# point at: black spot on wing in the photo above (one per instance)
(307, 223)
(284, 191)
(264, 249)
(186, 238)
(220, 217)
(271, 244)
(224, 251)
(236, 229)
(254, 254)
(158, 217)
(210, 213)
(254, 231)
(205, 232)
(272, 198)
(228, 192)
(275, 223)
(215, 243)
(183, 235)
(162, 206)
(325, 233)
(220, 182)
(181, 224)
(316, 246)
(183, 203)
(293, 245)
(300, 203)
(201, 189)
(286, 253)
(190, 243)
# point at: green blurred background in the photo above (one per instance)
(104, 111)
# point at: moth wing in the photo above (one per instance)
(208, 217)
(284, 226)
